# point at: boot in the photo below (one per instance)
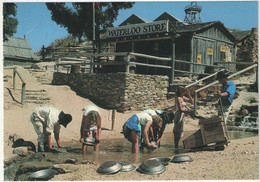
(41, 147)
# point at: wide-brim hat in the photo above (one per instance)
(221, 75)
(167, 117)
(64, 119)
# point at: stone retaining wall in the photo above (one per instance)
(120, 91)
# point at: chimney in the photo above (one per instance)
(254, 31)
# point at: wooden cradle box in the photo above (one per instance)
(212, 132)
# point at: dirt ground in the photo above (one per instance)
(239, 161)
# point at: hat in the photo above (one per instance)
(64, 119)
(167, 117)
(221, 75)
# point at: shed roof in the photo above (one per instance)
(200, 27)
(240, 35)
(18, 48)
(171, 18)
(134, 19)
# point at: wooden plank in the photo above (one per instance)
(213, 129)
(215, 139)
(203, 134)
(209, 120)
(195, 140)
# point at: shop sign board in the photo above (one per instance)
(210, 51)
(138, 29)
(199, 58)
(222, 48)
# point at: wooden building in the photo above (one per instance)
(192, 48)
(17, 51)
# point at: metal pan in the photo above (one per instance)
(89, 141)
(109, 167)
(126, 166)
(164, 160)
(181, 158)
(152, 166)
(44, 174)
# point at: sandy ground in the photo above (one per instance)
(239, 161)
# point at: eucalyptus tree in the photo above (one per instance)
(77, 17)
(9, 21)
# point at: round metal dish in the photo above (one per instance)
(152, 166)
(44, 174)
(181, 158)
(164, 160)
(109, 167)
(89, 141)
(126, 166)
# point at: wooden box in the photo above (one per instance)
(212, 131)
(193, 141)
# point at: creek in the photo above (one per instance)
(117, 149)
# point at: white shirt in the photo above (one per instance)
(90, 108)
(143, 118)
(153, 112)
(50, 116)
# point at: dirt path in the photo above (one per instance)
(238, 161)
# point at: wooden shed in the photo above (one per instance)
(191, 47)
(17, 51)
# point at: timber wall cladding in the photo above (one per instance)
(120, 91)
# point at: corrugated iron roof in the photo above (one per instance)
(134, 19)
(18, 48)
(239, 35)
(168, 16)
(200, 27)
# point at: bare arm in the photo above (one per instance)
(57, 138)
(223, 94)
(49, 140)
(146, 133)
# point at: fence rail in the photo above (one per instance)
(216, 82)
(14, 82)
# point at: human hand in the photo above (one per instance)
(158, 142)
(219, 93)
(81, 140)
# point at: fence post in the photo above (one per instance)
(23, 93)
(58, 66)
(113, 118)
(127, 63)
(14, 73)
(195, 102)
(173, 59)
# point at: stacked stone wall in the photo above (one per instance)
(120, 91)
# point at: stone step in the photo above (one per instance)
(36, 98)
(37, 101)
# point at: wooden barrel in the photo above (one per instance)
(75, 68)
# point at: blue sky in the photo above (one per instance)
(35, 19)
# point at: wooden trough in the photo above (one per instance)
(212, 132)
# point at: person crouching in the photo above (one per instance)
(45, 120)
(137, 128)
(91, 123)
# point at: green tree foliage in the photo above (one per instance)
(9, 22)
(78, 18)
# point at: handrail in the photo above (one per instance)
(194, 83)
(215, 82)
(23, 84)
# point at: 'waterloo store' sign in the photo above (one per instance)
(138, 29)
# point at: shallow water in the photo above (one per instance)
(120, 149)
(109, 150)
